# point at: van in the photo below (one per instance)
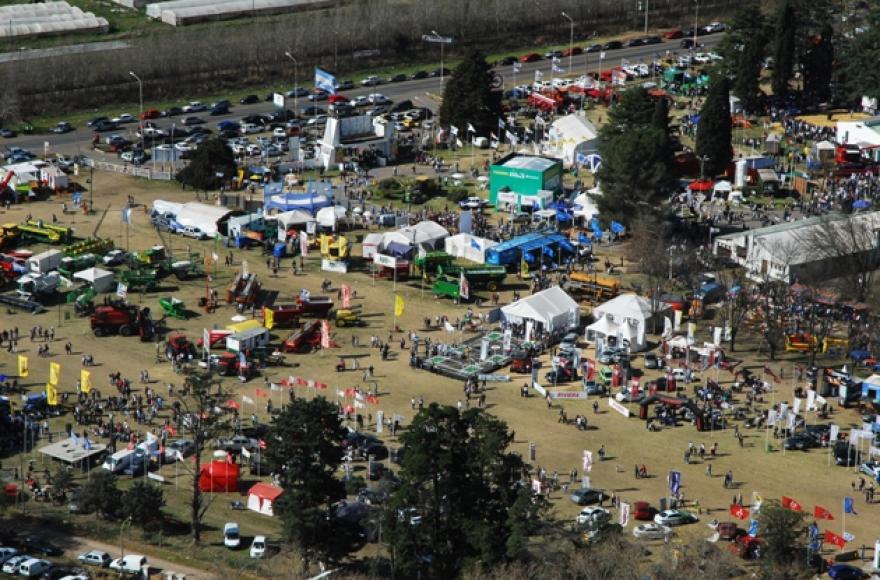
(131, 564)
(33, 567)
(118, 461)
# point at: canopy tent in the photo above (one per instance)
(468, 247)
(99, 279)
(329, 217)
(261, 498)
(583, 206)
(211, 219)
(219, 476)
(371, 245)
(427, 234)
(629, 310)
(296, 217)
(602, 328)
(552, 309)
(302, 201)
(701, 185)
(572, 135)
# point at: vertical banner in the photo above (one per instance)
(346, 296)
(22, 366)
(304, 244)
(54, 373)
(677, 321)
(85, 381)
(624, 514)
(588, 461)
(325, 334)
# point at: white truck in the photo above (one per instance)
(247, 340)
(33, 286)
(45, 261)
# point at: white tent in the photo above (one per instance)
(584, 207)
(99, 279)
(552, 309)
(371, 245)
(328, 217)
(468, 247)
(629, 310)
(571, 135)
(602, 328)
(203, 216)
(722, 189)
(427, 234)
(294, 217)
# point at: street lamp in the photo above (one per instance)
(696, 21)
(141, 99)
(121, 544)
(646, 16)
(570, 38)
(295, 87)
(435, 33)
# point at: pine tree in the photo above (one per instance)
(468, 96)
(784, 48)
(635, 109)
(714, 128)
(747, 25)
(748, 71)
(859, 74)
(210, 161)
(819, 65)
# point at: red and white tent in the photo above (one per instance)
(261, 498)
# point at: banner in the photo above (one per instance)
(464, 288)
(22, 366)
(676, 326)
(54, 373)
(399, 305)
(692, 330)
(791, 503)
(588, 461)
(85, 381)
(821, 513)
(833, 538)
(716, 336)
(268, 318)
(346, 296)
(674, 480)
(304, 244)
(753, 528)
(325, 334)
(618, 407)
(624, 514)
(52, 395)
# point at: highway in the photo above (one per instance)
(426, 90)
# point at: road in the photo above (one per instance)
(79, 140)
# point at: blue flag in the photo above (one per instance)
(87, 445)
(617, 228)
(583, 239)
(597, 229)
(849, 506)
(753, 528)
(325, 81)
(475, 244)
(674, 481)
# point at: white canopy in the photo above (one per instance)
(329, 216)
(632, 313)
(572, 134)
(584, 206)
(101, 280)
(371, 244)
(602, 327)
(200, 215)
(825, 145)
(426, 233)
(294, 217)
(552, 308)
(468, 247)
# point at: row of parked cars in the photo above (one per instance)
(25, 562)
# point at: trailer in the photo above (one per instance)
(247, 340)
(488, 277)
(595, 287)
(45, 261)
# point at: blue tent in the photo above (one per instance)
(397, 250)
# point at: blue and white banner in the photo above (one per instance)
(674, 481)
(325, 81)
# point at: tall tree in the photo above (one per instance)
(747, 83)
(468, 96)
(819, 66)
(714, 129)
(211, 164)
(747, 24)
(784, 48)
(100, 495)
(782, 530)
(458, 477)
(634, 110)
(143, 503)
(304, 449)
(859, 74)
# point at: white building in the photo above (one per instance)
(789, 251)
(865, 133)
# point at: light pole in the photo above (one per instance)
(703, 159)
(121, 543)
(646, 16)
(295, 87)
(696, 22)
(141, 100)
(434, 32)
(570, 38)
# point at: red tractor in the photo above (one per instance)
(123, 319)
(229, 364)
(178, 344)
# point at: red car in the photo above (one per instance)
(643, 511)
(338, 99)
(151, 114)
(574, 51)
(531, 57)
(673, 34)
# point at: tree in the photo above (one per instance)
(143, 503)
(100, 495)
(859, 74)
(784, 48)
(747, 25)
(737, 305)
(782, 530)
(468, 96)
(636, 170)
(748, 72)
(211, 163)
(459, 478)
(305, 451)
(714, 129)
(819, 65)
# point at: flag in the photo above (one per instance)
(739, 512)
(555, 60)
(246, 399)
(399, 305)
(85, 381)
(87, 445)
(51, 395)
(849, 506)
(304, 244)
(791, 504)
(674, 481)
(464, 288)
(22, 366)
(624, 514)
(833, 538)
(325, 334)
(261, 393)
(453, 130)
(459, 143)
(511, 137)
(471, 128)
(325, 81)
(54, 373)
(261, 443)
(448, 327)
(346, 296)
(475, 244)
(517, 66)
(74, 438)
(821, 513)
(268, 318)
(214, 257)
(848, 537)
(501, 123)
(753, 528)
(126, 215)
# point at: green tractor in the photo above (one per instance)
(480, 277)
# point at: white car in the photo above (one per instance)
(238, 148)
(593, 514)
(471, 203)
(702, 58)
(318, 120)
(195, 107)
(254, 149)
(123, 118)
(96, 558)
(360, 101)
(231, 535)
(371, 81)
(675, 518)
(6, 553)
(193, 232)
(183, 147)
(279, 132)
(258, 547)
(11, 565)
(652, 531)
(379, 99)
(247, 128)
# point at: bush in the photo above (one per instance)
(355, 484)
(456, 195)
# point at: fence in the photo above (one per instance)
(145, 172)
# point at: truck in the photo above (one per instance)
(36, 286)
(123, 319)
(488, 277)
(45, 261)
(593, 286)
(247, 340)
(118, 461)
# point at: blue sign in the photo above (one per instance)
(674, 481)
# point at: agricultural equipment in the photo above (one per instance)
(144, 279)
(123, 319)
(214, 337)
(71, 265)
(173, 307)
(89, 246)
(230, 363)
(32, 233)
(593, 286)
(65, 234)
(431, 262)
(178, 344)
(800, 342)
(82, 299)
(11, 267)
(281, 316)
(243, 290)
(447, 287)
(9, 235)
(521, 362)
(334, 247)
(313, 306)
(348, 318)
(37, 286)
(488, 277)
(306, 339)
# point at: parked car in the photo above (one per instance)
(799, 442)
(651, 531)
(6, 553)
(11, 565)
(34, 567)
(318, 95)
(397, 78)
(172, 112)
(687, 43)
(652, 361)
(195, 107)
(573, 51)
(237, 443)
(231, 535)
(675, 518)
(62, 127)
(345, 85)
(249, 99)
(129, 564)
(846, 572)
(553, 54)
(419, 75)
(530, 57)
(673, 34)
(507, 60)
(123, 118)
(258, 547)
(193, 232)
(180, 447)
(95, 558)
(42, 546)
(150, 114)
(104, 126)
(192, 120)
(440, 72)
(593, 514)
(586, 496)
(613, 45)
(371, 81)
(594, 48)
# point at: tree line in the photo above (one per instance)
(217, 57)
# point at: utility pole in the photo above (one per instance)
(435, 38)
(295, 87)
(570, 38)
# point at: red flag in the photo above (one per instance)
(232, 404)
(615, 377)
(261, 393)
(320, 385)
(739, 512)
(821, 513)
(791, 504)
(262, 444)
(833, 538)
(591, 370)
(229, 458)
(372, 400)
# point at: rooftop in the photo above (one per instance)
(529, 162)
(66, 450)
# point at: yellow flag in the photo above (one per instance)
(268, 318)
(85, 381)
(54, 373)
(398, 305)
(22, 366)
(51, 395)
(524, 268)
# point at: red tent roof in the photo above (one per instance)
(265, 491)
(219, 476)
(701, 185)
